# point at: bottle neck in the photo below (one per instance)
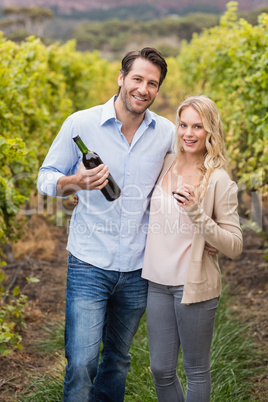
(81, 145)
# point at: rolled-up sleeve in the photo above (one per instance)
(60, 161)
(47, 181)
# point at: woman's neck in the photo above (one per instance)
(189, 163)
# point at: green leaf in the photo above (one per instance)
(16, 291)
(33, 280)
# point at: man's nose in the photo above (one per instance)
(143, 88)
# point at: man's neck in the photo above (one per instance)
(130, 121)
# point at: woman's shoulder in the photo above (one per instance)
(220, 174)
(169, 159)
(221, 180)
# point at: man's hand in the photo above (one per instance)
(83, 179)
(91, 179)
(211, 250)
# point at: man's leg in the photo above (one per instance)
(125, 308)
(88, 289)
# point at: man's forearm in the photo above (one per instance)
(84, 179)
(67, 185)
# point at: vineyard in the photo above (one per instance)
(42, 85)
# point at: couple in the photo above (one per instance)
(108, 271)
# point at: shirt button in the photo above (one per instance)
(124, 215)
(128, 173)
(126, 194)
(123, 236)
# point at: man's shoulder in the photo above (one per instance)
(94, 110)
(97, 113)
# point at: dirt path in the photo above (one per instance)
(44, 256)
(247, 278)
(41, 254)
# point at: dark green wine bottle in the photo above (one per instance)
(91, 160)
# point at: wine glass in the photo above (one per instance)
(177, 182)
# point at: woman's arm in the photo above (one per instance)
(223, 231)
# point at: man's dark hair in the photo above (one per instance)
(147, 53)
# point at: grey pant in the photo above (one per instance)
(171, 325)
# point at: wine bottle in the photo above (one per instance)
(91, 160)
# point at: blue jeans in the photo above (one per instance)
(102, 306)
(172, 325)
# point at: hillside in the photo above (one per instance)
(109, 31)
(159, 7)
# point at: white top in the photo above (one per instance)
(169, 240)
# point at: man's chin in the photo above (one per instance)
(141, 109)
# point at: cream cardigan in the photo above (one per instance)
(216, 221)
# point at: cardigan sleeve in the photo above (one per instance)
(218, 220)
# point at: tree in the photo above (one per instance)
(30, 19)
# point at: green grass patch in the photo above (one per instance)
(53, 340)
(45, 389)
(233, 357)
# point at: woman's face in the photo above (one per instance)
(191, 132)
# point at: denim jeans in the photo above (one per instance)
(102, 306)
(172, 325)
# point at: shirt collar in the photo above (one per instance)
(108, 113)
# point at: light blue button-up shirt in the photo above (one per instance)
(109, 235)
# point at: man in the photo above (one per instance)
(106, 296)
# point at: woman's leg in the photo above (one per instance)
(164, 343)
(196, 324)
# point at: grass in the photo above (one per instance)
(233, 357)
(54, 340)
(45, 389)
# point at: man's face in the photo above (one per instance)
(140, 87)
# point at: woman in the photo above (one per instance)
(185, 280)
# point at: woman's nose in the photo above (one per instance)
(188, 130)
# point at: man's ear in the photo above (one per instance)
(120, 79)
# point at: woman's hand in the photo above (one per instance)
(185, 195)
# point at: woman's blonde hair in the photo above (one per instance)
(215, 156)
